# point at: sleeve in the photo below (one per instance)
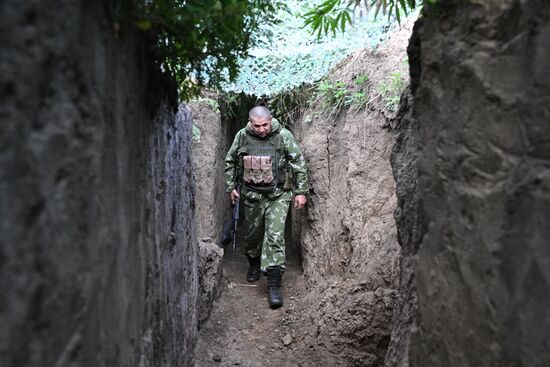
(231, 163)
(297, 163)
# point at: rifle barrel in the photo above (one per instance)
(235, 222)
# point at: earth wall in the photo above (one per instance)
(98, 252)
(475, 243)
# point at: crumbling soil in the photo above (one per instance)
(243, 331)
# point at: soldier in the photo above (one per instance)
(262, 158)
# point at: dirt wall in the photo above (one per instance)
(209, 149)
(212, 203)
(348, 234)
(481, 83)
(98, 254)
(410, 229)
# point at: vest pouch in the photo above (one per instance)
(247, 171)
(257, 169)
(266, 168)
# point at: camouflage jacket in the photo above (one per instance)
(291, 156)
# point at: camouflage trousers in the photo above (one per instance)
(264, 226)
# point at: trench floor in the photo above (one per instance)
(243, 331)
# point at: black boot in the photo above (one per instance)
(253, 269)
(274, 278)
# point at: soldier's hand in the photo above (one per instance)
(300, 201)
(234, 195)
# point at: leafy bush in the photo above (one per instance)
(391, 90)
(234, 107)
(196, 39)
(331, 16)
(289, 105)
(332, 97)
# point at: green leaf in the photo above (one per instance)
(404, 6)
(378, 7)
(317, 23)
(343, 21)
(398, 16)
(339, 16)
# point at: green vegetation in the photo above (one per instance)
(334, 96)
(326, 98)
(330, 98)
(263, 48)
(234, 107)
(359, 98)
(199, 44)
(292, 56)
(288, 105)
(201, 41)
(391, 90)
(334, 15)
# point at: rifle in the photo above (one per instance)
(229, 233)
(235, 216)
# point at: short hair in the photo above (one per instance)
(259, 112)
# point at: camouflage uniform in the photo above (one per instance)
(265, 212)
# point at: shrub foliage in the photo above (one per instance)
(334, 15)
(201, 41)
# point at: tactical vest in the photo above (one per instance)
(259, 162)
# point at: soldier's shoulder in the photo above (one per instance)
(240, 133)
(286, 134)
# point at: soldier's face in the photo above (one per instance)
(261, 127)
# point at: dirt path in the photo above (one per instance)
(243, 331)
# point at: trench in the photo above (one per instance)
(240, 328)
(342, 272)
(468, 184)
(425, 241)
(231, 117)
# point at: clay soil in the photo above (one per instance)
(243, 331)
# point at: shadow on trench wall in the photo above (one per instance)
(472, 168)
(98, 254)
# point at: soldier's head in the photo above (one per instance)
(260, 120)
